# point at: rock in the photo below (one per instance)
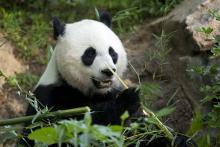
(202, 18)
(148, 55)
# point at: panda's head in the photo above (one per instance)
(85, 51)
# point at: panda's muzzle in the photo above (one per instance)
(101, 83)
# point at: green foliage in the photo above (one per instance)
(150, 89)
(211, 70)
(20, 27)
(123, 117)
(165, 111)
(27, 80)
(162, 44)
(209, 121)
(204, 141)
(197, 123)
(7, 133)
(79, 133)
(211, 92)
(198, 69)
(213, 119)
(158, 55)
(216, 49)
(12, 81)
(47, 135)
(158, 7)
(149, 93)
(206, 31)
(215, 14)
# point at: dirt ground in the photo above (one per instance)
(10, 104)
(179, 88)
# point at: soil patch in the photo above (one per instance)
(10, 104)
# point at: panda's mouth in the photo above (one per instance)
(101, 83)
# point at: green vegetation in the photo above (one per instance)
(79, 133)
(20, 26)
(25, 80)
(83, 133)
(206, 31)
(159, 54)
(204, 124)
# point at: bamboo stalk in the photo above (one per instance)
(116, 75)
(55, 114)
(162, 127)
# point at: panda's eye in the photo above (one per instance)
(89, 56)
(113, 54)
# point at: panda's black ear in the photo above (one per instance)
(106, 19)
(58, 28)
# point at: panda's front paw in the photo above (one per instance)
(129, 100)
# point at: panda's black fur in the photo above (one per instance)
(108, 105)
(107, 109)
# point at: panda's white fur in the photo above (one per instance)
(66, 58)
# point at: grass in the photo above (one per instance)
(28, 25)
(20, 26)
(27, 80)
(159, 55)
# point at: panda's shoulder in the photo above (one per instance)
(53, 94)
(64, 95)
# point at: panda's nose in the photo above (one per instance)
(107, 72)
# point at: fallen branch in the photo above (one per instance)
(55, 114)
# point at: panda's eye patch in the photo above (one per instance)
(113, 54)
(89, 56)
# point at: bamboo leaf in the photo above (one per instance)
(46, 135)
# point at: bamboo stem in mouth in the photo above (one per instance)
(117, 76)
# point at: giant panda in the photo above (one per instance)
(78, 73)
